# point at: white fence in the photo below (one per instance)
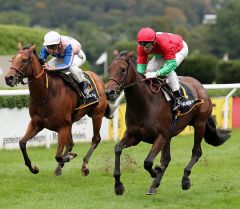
(13, 122)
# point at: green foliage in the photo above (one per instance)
(227, 30)
(201, 67)
(14, 101)
(11, 35)
(14, 18)
(228, 72)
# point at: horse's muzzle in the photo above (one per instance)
(10, 80)
(111, 95)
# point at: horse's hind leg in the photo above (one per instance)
(32, 131)
(97, 122)
(165, 159)
(196, 154)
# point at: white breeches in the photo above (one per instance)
(155, 64)
(78, 60)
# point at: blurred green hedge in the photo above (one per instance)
(14, 101)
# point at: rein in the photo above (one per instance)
(122, 85)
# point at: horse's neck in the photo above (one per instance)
(38, 83)
(138, 94)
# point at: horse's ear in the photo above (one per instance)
(131, 54)
(115, 53)
(32, 47)
(19, 46)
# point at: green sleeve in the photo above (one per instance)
(169, 66)
(158, 56)
(141, 68)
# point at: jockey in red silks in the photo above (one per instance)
(169, 51)
(67, 56)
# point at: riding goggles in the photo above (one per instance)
(146, 44)
(53, 47)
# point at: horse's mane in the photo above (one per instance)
(35, 53)
(125, 53)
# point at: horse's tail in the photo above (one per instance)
(214, 136)
(109, 112)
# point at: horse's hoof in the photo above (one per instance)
(58, 171)
(119, 189)
(72, 155)
(186, 185)
(34, 169)
(151, 191)
(85, 171)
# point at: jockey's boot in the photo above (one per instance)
(84, 86)
(179, 100)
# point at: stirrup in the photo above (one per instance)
(177, 104)
(176, 108)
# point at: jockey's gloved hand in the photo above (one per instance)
(42, 61)
(150, 74)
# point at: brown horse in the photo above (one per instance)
(149, 118)
(53, 106)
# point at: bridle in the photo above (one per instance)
(121, 84)
(22, 72)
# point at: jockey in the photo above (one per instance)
(169, 51)
(67, 55)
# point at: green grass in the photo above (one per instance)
(215, 179)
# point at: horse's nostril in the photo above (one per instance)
(109, 93)
(9, 79)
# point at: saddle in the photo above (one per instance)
(93, 96)
(158, 84)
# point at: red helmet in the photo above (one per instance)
(146, 35)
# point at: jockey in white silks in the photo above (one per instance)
(67, 56)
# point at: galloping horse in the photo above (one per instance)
(149, 118)
(53, 106)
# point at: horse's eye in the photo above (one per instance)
(123, 71)
(24, 61)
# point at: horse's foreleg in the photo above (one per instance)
(119, 188)
(196, 154)
(63, 136)
(148, 162)
(32, 131)
(67, 156)
(97, 122)
(124, 143)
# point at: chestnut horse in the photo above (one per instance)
(149, 118)
(52, 106)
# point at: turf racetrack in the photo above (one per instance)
(215, 179)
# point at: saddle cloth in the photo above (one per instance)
(190, 100)
(82, 101)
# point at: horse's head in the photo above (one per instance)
(120, 73)
(21, 66)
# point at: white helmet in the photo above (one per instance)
(52, 38)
